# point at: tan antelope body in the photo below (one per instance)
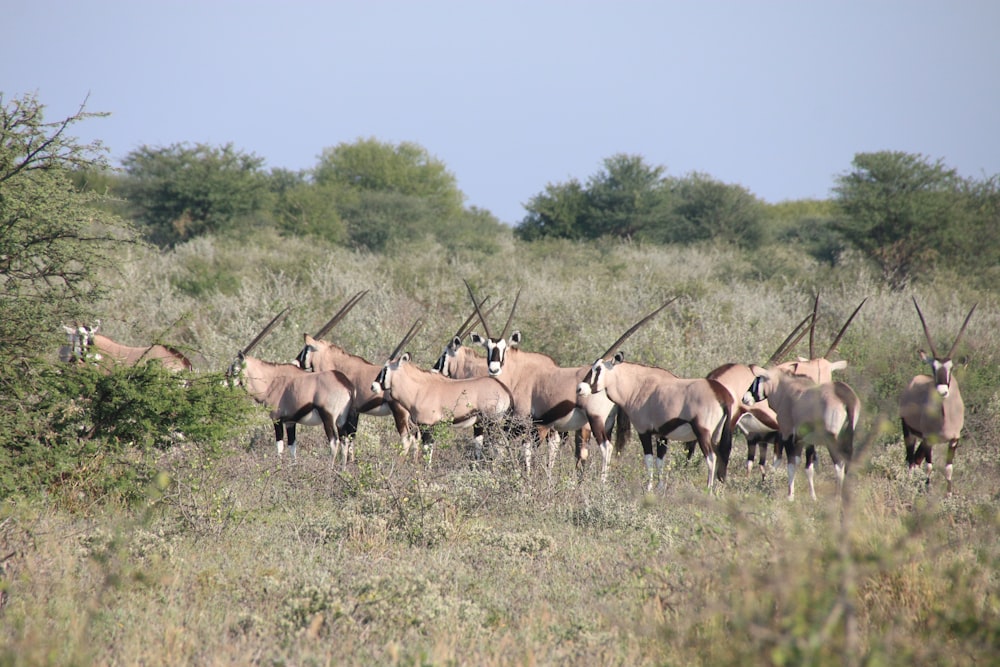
(544, 393)
(432, 398)
(809, 415)
(296, 396)
(931, 407)
(658, 403)
(85, 344)
(320, 355)
(757, 422)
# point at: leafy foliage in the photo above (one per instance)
(910, 214)
(80, 422)
(182, 191)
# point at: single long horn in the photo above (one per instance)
(346, 308)
(833, 345)
(510, 318)
(489, 311)
(635, 327)
(486, 327)
(812, 327)
(792, 340)
(961, 331)
(407, 338)
(266, 330)
(927, 333)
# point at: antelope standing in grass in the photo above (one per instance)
(545, 393)
(660, 404)
(85, 344)
(296, 396)
(809, 414)
(432, 398)
(931, 406)
(319, 355)
(758, 422)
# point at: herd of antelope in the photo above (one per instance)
(795, 406)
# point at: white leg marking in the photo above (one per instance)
(606, 460)
(650, 466)
(810, 475)
(792, 460)
(281, 447)
(710, 460)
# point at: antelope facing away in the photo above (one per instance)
(658, 403)
(758, 422)
(296, 396)
(545, 393)
(931, 406)
(319, 355)
(809, 414)
(85, 344)
(432, 398)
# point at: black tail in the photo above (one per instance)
(623, 429)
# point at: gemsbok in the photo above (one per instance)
(296, 396)
(931, 406)
(545, 393)
(820, 369)
(431, 398)
(660, 404)
(85, 344)
(320, 355)
(757, 422)
(809, 414)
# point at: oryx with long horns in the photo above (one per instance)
(809, 414)
(432, 398)
(545, 393)
(320, 355)
(931, 406)
(758, 422)
(296, 396)
(660, 404)
(83, 343)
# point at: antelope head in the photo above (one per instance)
(593, 381)
(304, 358)
(443, 365)
(496, 347)
(80, 340)
(941, 366)
(383, 381)
(235, 370)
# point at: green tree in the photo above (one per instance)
(900, 210)
(405, 169)
(555, 213)
(182, 191)
(625, 199)
(707, 209)
(54, 238)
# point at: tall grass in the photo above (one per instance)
(257, 561)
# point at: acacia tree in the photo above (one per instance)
(53, 237)
(182, 191)
(902, 210)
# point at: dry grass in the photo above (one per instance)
(256, 561)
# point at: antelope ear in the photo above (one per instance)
(405, 357)
(515, 339)
(619, 357)
(456, 342)
(477, 339)
(838, 365)
(308, 339)
(69, 330)
(923, 356)
(802, 360)
(756, 370)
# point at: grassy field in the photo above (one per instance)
(252, 560)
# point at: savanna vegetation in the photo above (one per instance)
(148, 520)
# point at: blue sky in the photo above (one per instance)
(510, 95)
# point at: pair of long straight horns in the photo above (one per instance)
(407, 338)
(266, 330)
(800, 331)
(466, 326)
(635, 327)
(346, 308)
(927, 332)
(482, 318)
